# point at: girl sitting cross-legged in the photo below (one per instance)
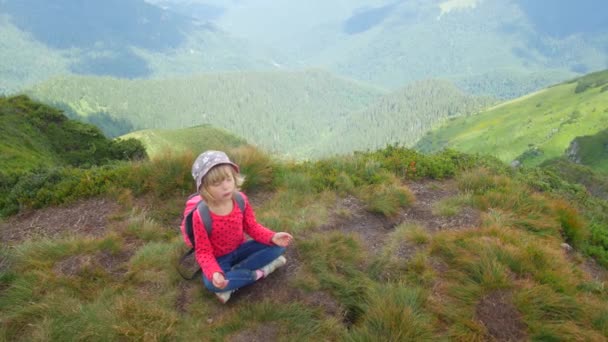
(228, 260)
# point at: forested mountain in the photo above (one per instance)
(534, 128)
(402, 117)
(280, 111)
(38, 136)
(299, 114)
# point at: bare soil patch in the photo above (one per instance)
(111, 263)
(350, 216)
(185, 298)
(427, 194)
(261, 333)
(86, 217)
(594, 270)
(500, 317)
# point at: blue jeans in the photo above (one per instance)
(239, 266)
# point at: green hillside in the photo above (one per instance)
(38, 136)
(532, 128)
(158, 142)
(591, 150)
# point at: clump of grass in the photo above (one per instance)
(154, 262)
(481, 180)
(43, 253)
(6, 261)
(295, 212)
(344, 184)
(386, 199)
(451, 206)
(257, 166)
(396, 313)
(285, 322)
(486, 259)
(393, 260)
(497, 218)
(573, 227)
(413, 233)
(145, 319)
(141, 226)
(169, 172)
(523, 208)
(298, 182)
(333, 259)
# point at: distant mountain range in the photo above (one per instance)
(503, 48)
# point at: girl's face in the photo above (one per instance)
(222, 189)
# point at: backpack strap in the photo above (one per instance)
(205, 214)
(240, 201)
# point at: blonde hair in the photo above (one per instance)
(216, 175)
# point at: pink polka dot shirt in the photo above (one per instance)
(227, 234)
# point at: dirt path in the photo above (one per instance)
(86, 217)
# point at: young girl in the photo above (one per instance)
(227, 259)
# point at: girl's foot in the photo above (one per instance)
(223, 297)
(273, 265)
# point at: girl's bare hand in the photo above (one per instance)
(282, 239)
(219, 281)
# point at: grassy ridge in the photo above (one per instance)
(530, 129)
(194, 140)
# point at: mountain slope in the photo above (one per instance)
(532, 128)
(37, 136)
